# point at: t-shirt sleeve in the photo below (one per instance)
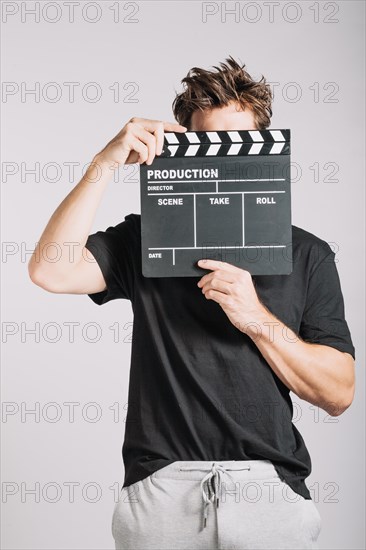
(323, 320)
(114, 250)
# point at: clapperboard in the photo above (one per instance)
(222, 195)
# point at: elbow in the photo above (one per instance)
(344, 401)
(39, 278)
(348, 400)
(34, 274)
(335, 393)
(346, 388)
(34, 271)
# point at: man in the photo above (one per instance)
(212, 459)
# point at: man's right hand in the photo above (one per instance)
(138, 141)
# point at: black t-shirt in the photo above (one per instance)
(199, 388)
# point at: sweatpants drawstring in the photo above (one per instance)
(212, 481)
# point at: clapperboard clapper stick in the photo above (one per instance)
(222, 195)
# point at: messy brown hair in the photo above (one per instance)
(208, 89)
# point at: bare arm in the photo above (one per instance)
(76, 270)
(319, 374)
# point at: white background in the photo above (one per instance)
(154, 47)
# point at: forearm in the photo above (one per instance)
(69, 226)
(316, 373)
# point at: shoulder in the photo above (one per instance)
(301, 237)
(131, 223)
(135, 218)
(309, 247)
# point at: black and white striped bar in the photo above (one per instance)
(226, 143)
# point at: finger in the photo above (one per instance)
(174, 127)
(159, 135)
(157, 128)
(218, 297)
(151, 145)
(227, 276)
(216, 264)
(219, 285)
(169, 127)
(149, 140)
(141, 149)
(152, 125)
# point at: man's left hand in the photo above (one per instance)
(232, 288)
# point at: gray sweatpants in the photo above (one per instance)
(226, 505)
